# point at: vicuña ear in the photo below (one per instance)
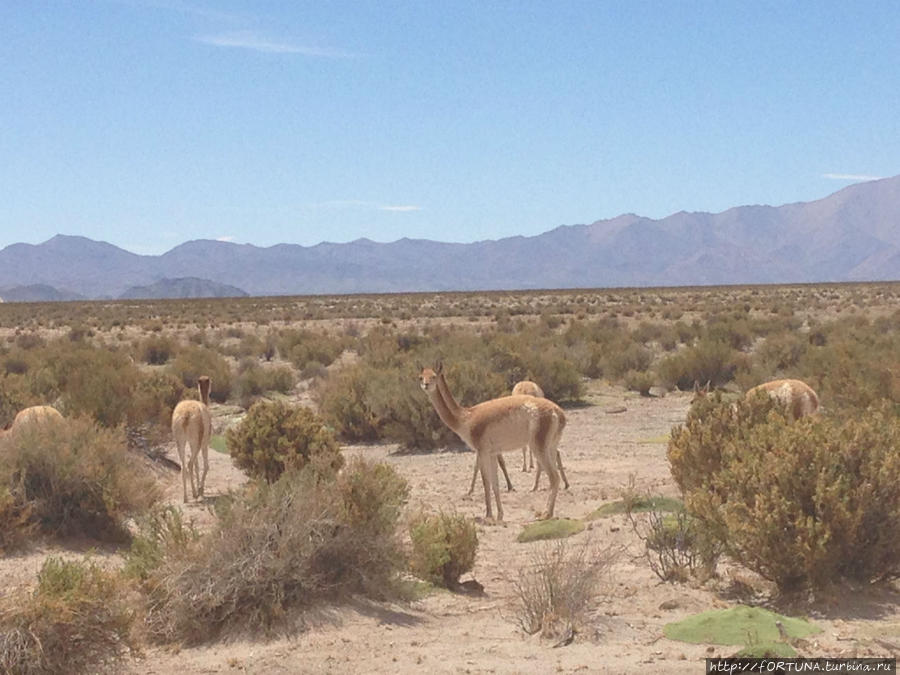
(696, 387)
(706, 388)
(439, 367)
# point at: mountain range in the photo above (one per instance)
(851, 235)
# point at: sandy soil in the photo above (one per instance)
(451, 633)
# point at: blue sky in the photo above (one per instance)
(147, 123)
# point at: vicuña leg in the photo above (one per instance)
(202, 479)
(491, 483)
(502, 463)
(562, 471)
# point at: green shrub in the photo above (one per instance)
(343, 402)
(161, 531)
(557, 375)
(274, 436)
(372, 494)
(301, 347)
(623, 358)
(368, 403)
(781, 352)
(280, 549)
(254, 380)
(16, 523)
(194, 361)
(640, 382)
(75, 478)
(156, 349)
(708, 361)
(802, 503)
(443, 547)
(153, 398)
(88, 380)
(75, 621)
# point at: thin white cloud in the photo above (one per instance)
(400, 208)
(850, 176)
(360, 204)
(254, 41)
(226, 237)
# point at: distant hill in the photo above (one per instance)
(36, 293)
(851, 235)
(185, 287)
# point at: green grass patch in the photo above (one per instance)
(555, 528)
(753, 627)
(767, 650)
(217, 443)
(639, 505)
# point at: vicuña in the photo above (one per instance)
(500, 425)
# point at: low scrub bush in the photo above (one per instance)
(707, 361)
(280, 549)
(368, 403)
(86, 379)
(75, 621)
(194, 361)
(156, 349)
(302, 347)
(558, 587)
(675, 545)
(274, 436)
(804, 503)
(74, 478)
(254, 380)
(153, 398)
(443, 547)
(160, 532)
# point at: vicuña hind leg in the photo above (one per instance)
(546, 461)
(202, 479)
(562, 471)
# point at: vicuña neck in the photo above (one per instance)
(448, 412)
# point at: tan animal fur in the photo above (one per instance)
(527, 388)
(192, 424)
(797, 397)
(36, 414)
(524, 388)
(501, 425)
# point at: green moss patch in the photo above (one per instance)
(640, 505)
(741, 625)
(556, 528)
(767, 650)
(217, 443)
